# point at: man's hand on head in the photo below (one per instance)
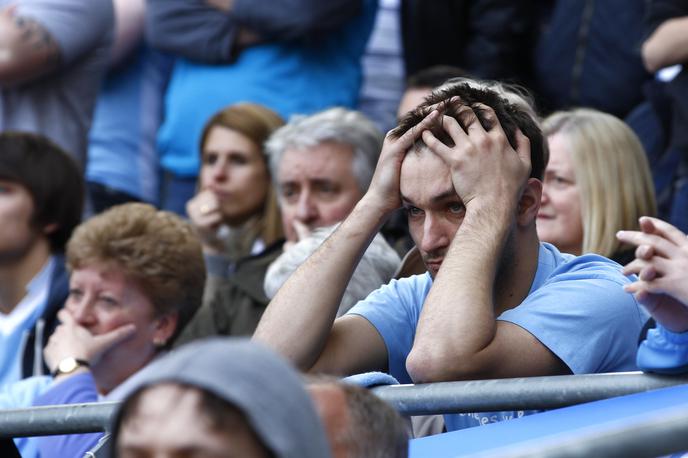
(383, 191)
(486, 170)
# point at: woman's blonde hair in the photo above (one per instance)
(612, 174)
(156, 249)
(257, 123)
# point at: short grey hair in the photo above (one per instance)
(337, 125)
(376, 267)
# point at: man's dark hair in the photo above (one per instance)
(510, 116)
(51, 176)
(434, 76)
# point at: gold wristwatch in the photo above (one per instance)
(69, 365)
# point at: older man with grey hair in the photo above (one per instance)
(322, 165)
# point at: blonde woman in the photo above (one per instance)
(596, 183)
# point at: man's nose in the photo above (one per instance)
(434, 236)
(307, 209)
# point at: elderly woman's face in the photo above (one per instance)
(102, 300)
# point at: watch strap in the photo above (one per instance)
(73, 363)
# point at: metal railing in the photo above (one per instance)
(528, 393)
(433, 398)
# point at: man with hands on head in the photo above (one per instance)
(661, 264)
(495, 302)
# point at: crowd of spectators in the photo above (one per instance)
(177, 176)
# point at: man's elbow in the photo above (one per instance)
(440, 365)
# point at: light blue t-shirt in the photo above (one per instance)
(576, 307)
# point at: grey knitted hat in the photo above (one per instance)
(256, 381)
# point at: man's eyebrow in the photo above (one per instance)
(444, 195)
(449, 193)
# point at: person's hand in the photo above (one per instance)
(72, 340)
(483, 164)
(206, 217)
(383, 191)
(302, 231)
(662, 267)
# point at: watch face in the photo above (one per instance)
(67, 365)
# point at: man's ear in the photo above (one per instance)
(529, 203)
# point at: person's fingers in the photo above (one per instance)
(647, 273)
(452, 127)
(436, 146)
(302, 231)
(409, 137)
(663, 229)
(523, 148)
(488, 114)
(644, 252)
(633, 287)
(203, 203)
(470, 122)
(659, 244)
(112, 338)
(634, 267)
(65, 317)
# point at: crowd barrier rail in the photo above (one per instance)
(437, 398)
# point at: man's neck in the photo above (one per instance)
(515, 277)
(15, 276)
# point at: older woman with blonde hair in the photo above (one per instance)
(596, 183)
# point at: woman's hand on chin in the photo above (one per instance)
(70, 340)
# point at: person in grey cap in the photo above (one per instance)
(220, 397)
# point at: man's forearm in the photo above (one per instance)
(458, 317)
(668, 45)
(196, 31)
(309, 300)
